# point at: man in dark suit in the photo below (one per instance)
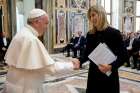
(79, 45)
(70, 45)
(4, 43)
(77, 42)
(135, 53)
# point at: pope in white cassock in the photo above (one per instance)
(28, 59)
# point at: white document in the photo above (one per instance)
(102, 55)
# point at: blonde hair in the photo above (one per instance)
(103, 23)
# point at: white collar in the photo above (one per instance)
(32, 30)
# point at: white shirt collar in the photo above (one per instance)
(32, 30)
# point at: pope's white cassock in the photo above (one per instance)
(28, 63)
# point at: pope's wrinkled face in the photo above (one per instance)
(44, 21)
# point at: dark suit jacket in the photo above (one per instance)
(136, 45)
(97, 81)
(82, 41)
(79, 43)
(1, 43)
(2, 52)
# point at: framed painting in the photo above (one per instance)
(79, 4)
(129, 4)
(128, 24)
(128, 17)
(78, 22)
(60, 30)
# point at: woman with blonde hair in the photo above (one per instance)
(102, 32)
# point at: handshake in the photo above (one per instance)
(76, 63)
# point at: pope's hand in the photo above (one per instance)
(76, 63)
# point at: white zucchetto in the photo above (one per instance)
(36, 13)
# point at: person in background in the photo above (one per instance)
(135, 52)
(77, 42)
(102, 32)
(129, 43)
(69, 46)
(4, 43)
(28, 59)
(2, 48)
(79, 45)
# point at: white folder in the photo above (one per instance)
(102, 55)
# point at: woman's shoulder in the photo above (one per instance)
(113, 32)
(89, 33)
(110, 28)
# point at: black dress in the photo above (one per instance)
(98, 82)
